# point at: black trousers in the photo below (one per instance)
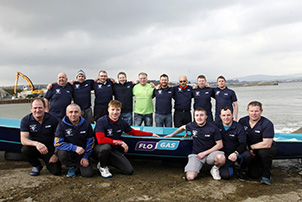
(261, 164)
(109, 155)
(72, 159)
(182, 118)
(32, 155)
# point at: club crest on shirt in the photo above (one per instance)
(160, 92)
(77, 86)
(128, 86)
(58, 91)
(197, 93)
(218, 92)
(245, 127)
(179, 89)
(68, 132)
(100, 86)
(109, 132)
(194, 133)
(33, 128)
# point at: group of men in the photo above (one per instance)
(64, 135)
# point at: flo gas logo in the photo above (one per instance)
(161, 145)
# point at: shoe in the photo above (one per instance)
(215, 173)
(265, 181)
(242, 176)
(36, 170)
(71, 172)
(103, 170)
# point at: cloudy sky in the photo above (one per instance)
(217, 37)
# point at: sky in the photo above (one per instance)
(176, 37)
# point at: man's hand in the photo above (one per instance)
(84, 162)
(49, 86)
(80, 150)
(125, 146)
(53, 159)
(42, 148)
(252, 152)
(201, 155)
(171, 135)
(232, 157)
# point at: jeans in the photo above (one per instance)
(147, 118)
(163, 120)
(127, 117)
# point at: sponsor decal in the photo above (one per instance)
(83, 131)
(207, 135)
(257, 131)
(86, 84)
(206, 93)
(232, 135)
(48, 126)
(161, 145)
(226, 94)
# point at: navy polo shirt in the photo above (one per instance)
(182, 98)
(204, 137)
(76, 135)
(123, 93)
(224, 98)
(232, 137)
(60, 97)
(202, 98)
(44, 132)
(111, 129)
(163, 97)
(103, 93)
(264, 128)
(82, 93)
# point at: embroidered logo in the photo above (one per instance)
(68, 132)
(58, 91)
(33, 128)
(77, 86)
(109, 132)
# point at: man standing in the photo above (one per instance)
(108, 131)
(103, 94)
(37, 132)
(74, 142)
(225, 97)
(260, 141)
(202, 96)
(82, 94)
(206, 144)
(182, 96)
(60, 96)
(234, 145)
(143, 107)
(163, 104)
(123, 92)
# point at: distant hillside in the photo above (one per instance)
(261, 77)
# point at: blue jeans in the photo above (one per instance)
(127, 117)
(163, 120)
(147, 118)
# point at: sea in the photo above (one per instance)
(282, 104)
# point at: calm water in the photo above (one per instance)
(282, 104)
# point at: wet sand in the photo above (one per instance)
(153, 180)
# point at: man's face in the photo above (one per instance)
(73, 113)
(62, 79)
(142, 79)
(81, 78)
(37, 109)
(221, 83)
(103, 77)
(254, 112)
(200, 117)
(164, 81)
(114, 112)
(122, 78)
(226, 117)
(201, 82)
(183, 81)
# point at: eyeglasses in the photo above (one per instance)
(184, 81)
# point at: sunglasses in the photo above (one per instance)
(182, 81)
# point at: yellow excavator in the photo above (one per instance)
(28, 92)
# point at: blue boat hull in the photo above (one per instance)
(289, 144)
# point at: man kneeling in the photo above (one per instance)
(108, 130)
(206, 144)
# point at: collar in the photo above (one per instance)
(182, 87)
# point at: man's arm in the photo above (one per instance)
(235, 105)
(179, 130)
(265, 144)
(46, 104)
(216, 147)
(24, 136)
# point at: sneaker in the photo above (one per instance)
(71, 172)
(36, 170)
(265, 181)
(215, 173)
(103, 170)
(242, 176)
